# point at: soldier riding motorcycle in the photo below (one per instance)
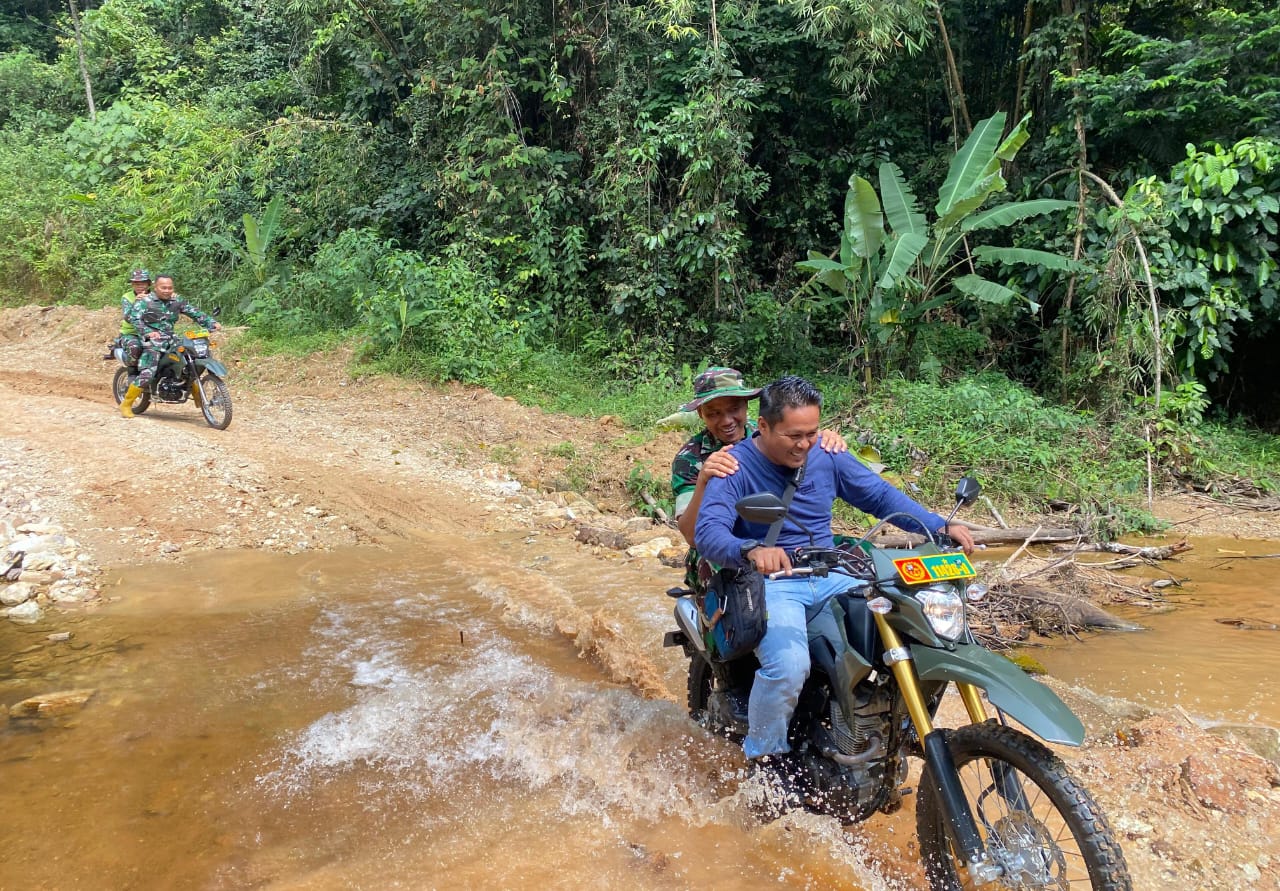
(172, 367)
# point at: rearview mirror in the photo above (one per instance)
(967, 491)
(764, 508)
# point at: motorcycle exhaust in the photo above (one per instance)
(689, 622)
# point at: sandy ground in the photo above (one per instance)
(316, 459)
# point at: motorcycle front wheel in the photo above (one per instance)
(120, 384)
(217, 402)
(1035, 820)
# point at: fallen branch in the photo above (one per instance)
(1148, 553)
(984, 535)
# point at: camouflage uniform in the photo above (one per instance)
(128, 337)
(150, 313)
(684, 478)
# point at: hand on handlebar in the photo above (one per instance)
(770, 560)
(961, 536)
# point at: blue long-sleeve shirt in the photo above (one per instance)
(720, 532)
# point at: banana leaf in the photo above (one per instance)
(863, 221)
(900, 203)
(900, 254)
(1028, 256)
(971, 162)
(980, 288)
(1008, 214)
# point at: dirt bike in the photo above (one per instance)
(186, 369)
(996, 807)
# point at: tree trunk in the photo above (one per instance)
(84, 68)
(956, 86)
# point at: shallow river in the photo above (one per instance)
(451, 714)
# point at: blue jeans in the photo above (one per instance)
(792, 605)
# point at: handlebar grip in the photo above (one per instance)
(791, 573)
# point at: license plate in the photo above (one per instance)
(934, 568)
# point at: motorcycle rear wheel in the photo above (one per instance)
(120, 385)
(217, 402)
(1034, 819)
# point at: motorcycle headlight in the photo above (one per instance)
(944, 609)
(200, 348)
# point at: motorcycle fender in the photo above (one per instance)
(1008, 687)
(214, 367)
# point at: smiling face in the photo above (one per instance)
(164, 287)
(725, 417)
(140, 288)
(787, 442)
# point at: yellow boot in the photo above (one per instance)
(126, 404)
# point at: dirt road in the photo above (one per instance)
(316, 459)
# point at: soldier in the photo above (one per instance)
(154, 316)
(140, 283)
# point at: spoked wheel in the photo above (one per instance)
(216, 407)
(120, 384)
(1038, 825)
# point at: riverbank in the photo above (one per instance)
(316, 460)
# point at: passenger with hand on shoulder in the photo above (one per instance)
(790, 414)
(720, 398)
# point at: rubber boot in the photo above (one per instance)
(126, 404)
(195, 395)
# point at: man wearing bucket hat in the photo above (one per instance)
(720, 398)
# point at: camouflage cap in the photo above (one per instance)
(716, 382)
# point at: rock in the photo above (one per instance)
(651, 548)
(1251, 873)
(1219, 780)
(600, 535)
(49, 704)
(169, 548)
(24, 613)
(40, 577)
(59, 636)
(67, 591)
(37, 544)
(19, 592)
(40, 528)
(1263, 740)
(673, 556)
(1132, 827)
(633, 525)
(38, 562)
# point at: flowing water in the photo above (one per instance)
(493, 713)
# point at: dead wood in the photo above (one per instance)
(1146, 553)
(984, 535)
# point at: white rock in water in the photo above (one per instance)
(67, 591)
(1251, 873)
(25, 613)
(18, 592)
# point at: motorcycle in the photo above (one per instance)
(995, 807)
(187, 369)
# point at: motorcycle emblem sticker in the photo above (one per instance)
(934, 568)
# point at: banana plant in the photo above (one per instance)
(890, 277)
(257, 251)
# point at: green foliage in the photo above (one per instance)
(892, 280)
(1216, 249)
(642, 482)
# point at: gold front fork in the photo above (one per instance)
(905, 673)
(972, 702)
(909, 684)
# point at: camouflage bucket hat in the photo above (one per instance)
(716, 382)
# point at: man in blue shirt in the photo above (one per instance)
(790, 410)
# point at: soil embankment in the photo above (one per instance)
(315, 460)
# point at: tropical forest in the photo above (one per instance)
(1019, 237)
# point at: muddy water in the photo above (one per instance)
(1218, 673)
(490, 714)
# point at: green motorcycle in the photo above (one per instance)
(187, 370)
(996, 808)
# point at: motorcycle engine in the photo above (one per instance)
(170, 390)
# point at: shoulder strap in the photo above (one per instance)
(776, 527)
